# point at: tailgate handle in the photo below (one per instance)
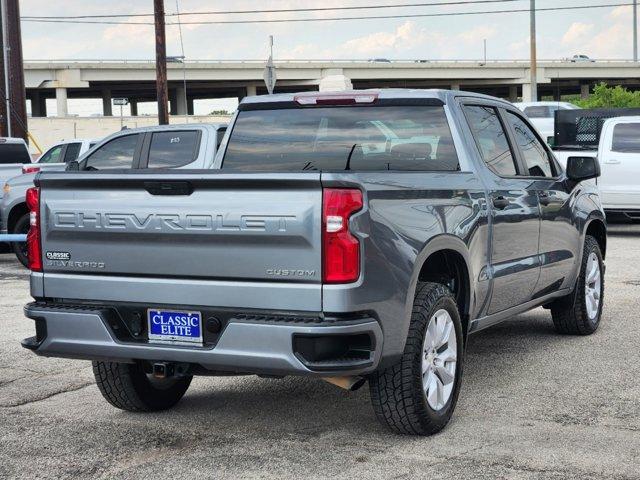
(168, 188)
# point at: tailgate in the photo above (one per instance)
(212, 227)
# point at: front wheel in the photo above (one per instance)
(128, 387)
(418, 394)
(579, 312)
(20, 248)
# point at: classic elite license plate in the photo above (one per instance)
(173, 326)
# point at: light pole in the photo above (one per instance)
(5, 55)
(635, 30)
(534, 61)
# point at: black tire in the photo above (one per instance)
(20, 248)
(126, 386)
(397, 393)
(570, 315)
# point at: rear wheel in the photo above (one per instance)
(418, 394)
(20, 248)
(127, 386)
(579, 312)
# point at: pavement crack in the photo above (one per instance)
(46, 397)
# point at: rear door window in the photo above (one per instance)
(362, 138)
(535, 156)
(14, 153)
(117, 153)
(626, 138)
(73, 150)
(491, 138)
(173, 149)
(53, 155)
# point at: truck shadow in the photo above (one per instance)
(310, 407)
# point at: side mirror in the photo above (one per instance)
(582, 168)
(73, 166)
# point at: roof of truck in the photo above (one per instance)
(12, 140)
(173, 126)
(383, 93)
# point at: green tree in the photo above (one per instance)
(604, 96)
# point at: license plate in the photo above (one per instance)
(174, 326)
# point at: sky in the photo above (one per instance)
(601, 33)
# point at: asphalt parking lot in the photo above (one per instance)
(533, 405)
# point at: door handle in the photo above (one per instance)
(168, 188)
(500, 203)
(613, 161)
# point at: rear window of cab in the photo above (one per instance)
(361, 138)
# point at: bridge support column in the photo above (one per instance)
(173, 102)
(527, 93)
(252, 90)
(38, 105)
(190, 105)
(513, 93)
(107, 109)
(584, 91)
(334, 79)
(133, 104)
(181, 101)
(61, 102)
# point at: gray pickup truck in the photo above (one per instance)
(165, 146)
(351, 236)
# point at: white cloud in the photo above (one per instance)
(578, 32)
(477, 34)
(407, 37)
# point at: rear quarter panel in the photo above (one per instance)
(405, 213)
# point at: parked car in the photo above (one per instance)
(542, 114)
(167, 146)
(306, 254)
(14, 154)
(618, 153)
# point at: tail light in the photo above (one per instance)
(34, 246)
(30, 169)
(341, 250)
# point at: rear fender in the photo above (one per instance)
(436, 244)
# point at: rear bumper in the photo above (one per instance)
(243, 346)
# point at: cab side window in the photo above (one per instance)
(118, 153)
(535, 156)
(52, 156)
(72, 153)
(491, 139)
(626, 138)
(173, 149)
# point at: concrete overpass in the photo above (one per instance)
(135, 79)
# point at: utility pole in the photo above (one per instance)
(162, 91)
(5, 106)
(635, 30)
(14, 108)
(533, 60)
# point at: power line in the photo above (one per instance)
(278, 10)
(337, 19)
